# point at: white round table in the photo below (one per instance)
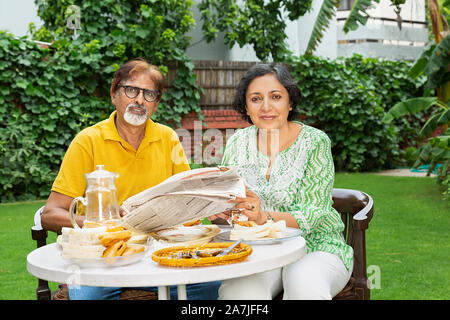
(46, 263)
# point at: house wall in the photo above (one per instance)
(381, 37)
(15, 15)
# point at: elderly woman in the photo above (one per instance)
(289, 172)
(142, 152)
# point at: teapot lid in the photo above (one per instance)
(101, 173)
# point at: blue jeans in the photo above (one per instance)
(196, 291)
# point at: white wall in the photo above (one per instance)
(199, 49)
(327, 48)
(15, 15)
(392, 43)
(412, 9)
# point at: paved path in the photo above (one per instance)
(404, 173)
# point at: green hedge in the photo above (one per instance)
(48, 95)
(347, 98)
(44, 101)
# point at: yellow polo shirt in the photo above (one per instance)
(159, 156)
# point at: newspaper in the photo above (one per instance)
(186, 196)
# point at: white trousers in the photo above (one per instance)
(318, 275)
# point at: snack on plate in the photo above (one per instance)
(201, 255)
(269, 230)
(138, 238)
(197, 234)
(133, 250)
(101, 242)
(114, 229)
(246, 223)
(85, 252)
(192, 223)
(81, 243)
(109, 238)
(115, 250)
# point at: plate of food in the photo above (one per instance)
(100, 247)
(206, 254)
(253, 234)
(193, 234)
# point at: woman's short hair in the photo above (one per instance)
(138, 66)
(239, 102)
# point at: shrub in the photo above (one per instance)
(336, 100)
(48, 95)
(390, 80)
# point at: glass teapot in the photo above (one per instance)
(101, 199)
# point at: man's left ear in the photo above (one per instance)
(113, 96)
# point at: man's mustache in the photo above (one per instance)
(138, 106)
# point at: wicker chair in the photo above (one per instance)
(355, 207)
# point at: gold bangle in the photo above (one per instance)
(268, 216)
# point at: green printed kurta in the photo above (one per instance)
(301, 183)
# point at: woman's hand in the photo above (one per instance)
(251, 207)
(226, 215)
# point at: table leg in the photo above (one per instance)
(181, 290)
(164, 293)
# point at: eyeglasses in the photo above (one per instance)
(132, 92)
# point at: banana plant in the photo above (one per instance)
(327, 11)
(358, 16)
(434, 63)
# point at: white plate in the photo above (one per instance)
(187, 235)
(290, 233)
(111, 261)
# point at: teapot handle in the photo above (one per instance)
(73, 208)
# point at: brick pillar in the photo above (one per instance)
(204, 141)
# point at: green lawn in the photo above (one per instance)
(407, 240)
(408, 237)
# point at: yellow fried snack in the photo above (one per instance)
(109, 238)
(246, 223)
(115, 250)
(192, 223)
(114, 229)
(133, 250)
(201, 255)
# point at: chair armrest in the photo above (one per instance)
(356, 209)
(38, 233)
(366, 212)
(360, 225)
(360, 263)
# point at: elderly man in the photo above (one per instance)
(142, 152)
